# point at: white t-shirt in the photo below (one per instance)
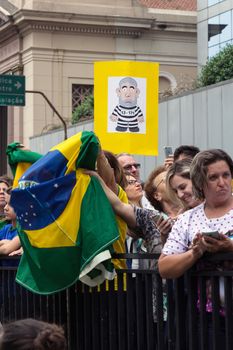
(189, 224)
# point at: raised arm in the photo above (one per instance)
(125, 211)
(106, 172)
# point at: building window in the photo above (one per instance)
(79, 92)
(213, 2)
(220, 32)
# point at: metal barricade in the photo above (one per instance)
(128, 312)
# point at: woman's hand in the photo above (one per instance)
(164, 226)
(23, 148)
(213, 245)
(168, 162)
(198, 247)
(17, 252)
(95, 174)
(92, 173)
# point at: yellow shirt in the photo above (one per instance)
(119, 245)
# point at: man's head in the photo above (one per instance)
(128, 92)
(129, 164)
(185, 151)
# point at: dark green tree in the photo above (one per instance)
(218, 68)
(85, 109)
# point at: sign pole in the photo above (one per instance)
(53, 108)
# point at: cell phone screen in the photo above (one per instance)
(213, 234)
(156, 218)
(168, 151)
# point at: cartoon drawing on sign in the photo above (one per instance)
(127, 114)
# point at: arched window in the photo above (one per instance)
(166, 81)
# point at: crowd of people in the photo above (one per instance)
(172, 213)
(166, 193)
(189, 212)
(169, 195)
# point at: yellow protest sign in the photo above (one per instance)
(126, 106)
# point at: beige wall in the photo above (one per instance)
(101, 7)
(53, 71)
(57, 51)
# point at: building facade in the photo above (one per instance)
(214, 27)
(55, 43)
(202, 117)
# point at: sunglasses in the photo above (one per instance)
(132, 182)
(130, 166)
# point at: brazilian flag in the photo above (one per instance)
(20, 160)
(68, 226)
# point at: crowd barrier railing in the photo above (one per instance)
(137, 310)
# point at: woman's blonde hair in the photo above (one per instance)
(179, 168)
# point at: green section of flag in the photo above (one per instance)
(17, 155)
(49, 270)
(88, 151)
(96, 217)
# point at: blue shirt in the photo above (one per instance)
(8, 232)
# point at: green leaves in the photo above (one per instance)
(218, 68)
(85, 109)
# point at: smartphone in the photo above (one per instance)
(230, 234)
(157, 217)
(213, 234)
(168, 151)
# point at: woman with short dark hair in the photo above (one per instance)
(207, 227)
(199, 169)
(211, 175)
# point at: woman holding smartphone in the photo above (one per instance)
(211, 174)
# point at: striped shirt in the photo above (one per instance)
(127, 116)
